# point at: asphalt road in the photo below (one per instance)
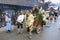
(48, 33)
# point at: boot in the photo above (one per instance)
(18, 31)
(21, 31)
(30, 35)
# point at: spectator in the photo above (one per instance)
(8, 22)
(55, 16)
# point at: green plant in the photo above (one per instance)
(39, 18)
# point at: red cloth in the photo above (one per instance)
(36, 23)
(51, 18)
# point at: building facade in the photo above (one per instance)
(12, 6)
(16, 4)
(19, 2)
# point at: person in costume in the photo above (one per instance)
(19, 22)
(29, 22)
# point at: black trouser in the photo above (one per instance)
(20, 25)
(28, 30)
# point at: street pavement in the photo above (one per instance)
(48, 33)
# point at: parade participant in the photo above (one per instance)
(19, 22)
(8, 22)
(35, 9)
(47, 18)
(38, 20)
(55, 16)
(29, 22)
(51, 19)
